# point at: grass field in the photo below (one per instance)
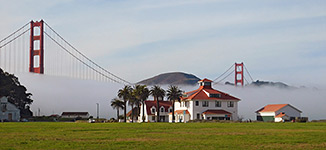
(47, 135)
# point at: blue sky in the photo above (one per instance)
(277, 40)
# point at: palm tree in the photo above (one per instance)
(132, 101)
(174, 93)
(136, 94)
(125, 94)
(141, 93)
(157, 92)
(117, 104)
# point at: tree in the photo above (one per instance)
(141, 93)
(125, 94)
(16, 93)
(117, 104)
(157, 92)
(174, 94)
(132, 102)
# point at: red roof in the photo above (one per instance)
(202, 93)
(180, 112)
(216, 111)
(280, 115)
(205, 80)
(150, 104)
(272, 107)
(135, 112)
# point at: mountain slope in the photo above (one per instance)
(174, 78)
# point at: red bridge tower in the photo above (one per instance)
(36, 55)
(238, 74)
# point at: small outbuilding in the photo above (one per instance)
(9, 112)
(75, 115)
(278, 113)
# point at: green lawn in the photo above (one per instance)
(39, 135)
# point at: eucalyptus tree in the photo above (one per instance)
(157, 92)
(125, 94)
(174, 94)
(117, 104)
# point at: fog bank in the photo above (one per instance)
(53, 95)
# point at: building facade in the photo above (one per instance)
(278, 113)
(150, 111)
(206, 103)
(74, 115)
(8, 111)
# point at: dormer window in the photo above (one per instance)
(170, 109)
(162, 109)
(205, 83)
(153, 110)
(215, 95)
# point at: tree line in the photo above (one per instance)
(138, 94)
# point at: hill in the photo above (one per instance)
(175, 78)
(272, 84)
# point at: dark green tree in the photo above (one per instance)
(141, 93)
(16, 93)
(117, 104)
(125, 94)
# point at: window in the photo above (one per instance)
(186, 104)
(198, 116)
(197, 103)
(215, 95)
(170, 109)
(153, 110)
(162, 109)
(205, 84)
(205, 103)
(230, 104)
(153, 117)
(217, 104)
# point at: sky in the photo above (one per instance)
(277, 40)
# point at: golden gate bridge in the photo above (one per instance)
(45, 51)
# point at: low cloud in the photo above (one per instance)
(58, 94)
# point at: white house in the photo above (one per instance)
(206, 103)
(75, 115)
(9, 112)
(278, 113)
(150, 111)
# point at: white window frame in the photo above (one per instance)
(204, 103)
(230, 104)
(218, 102)
(196, 103)
(162, 108)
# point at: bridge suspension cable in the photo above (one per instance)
(14, 32)
(248, 73)
(227, 73)
(62, 58)
(79, 52)
(224, 73)
(13, 39)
